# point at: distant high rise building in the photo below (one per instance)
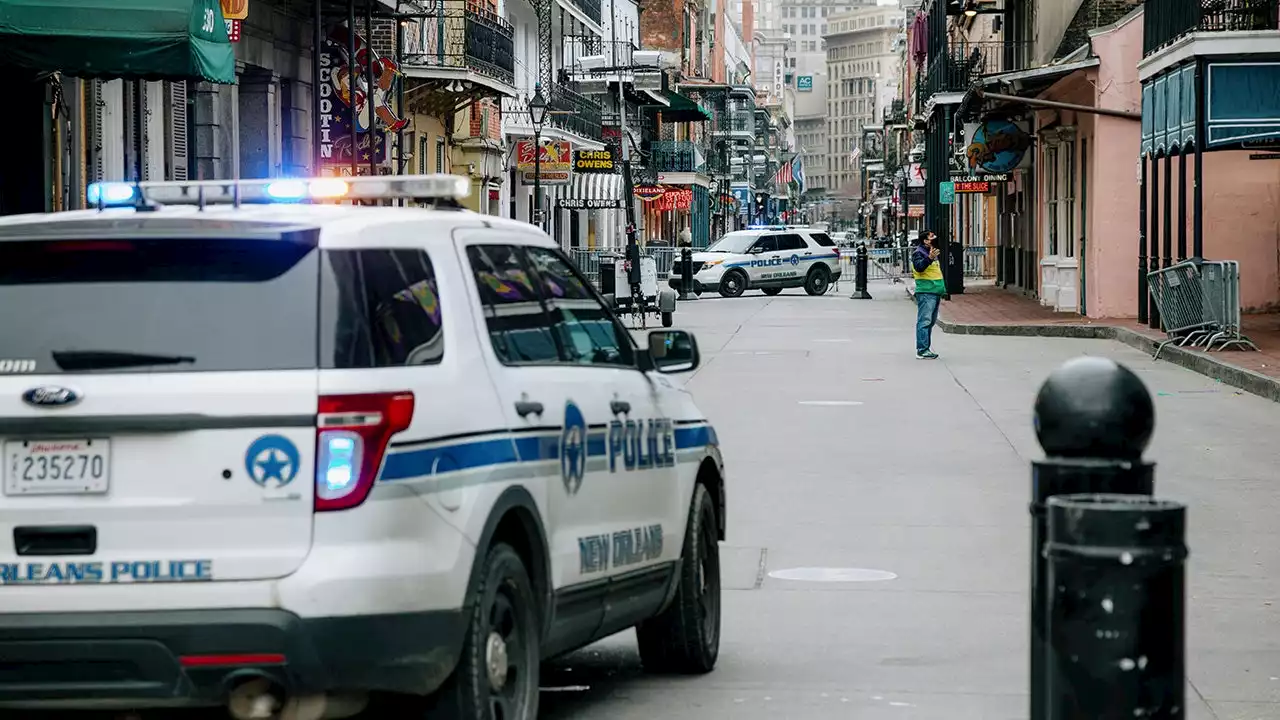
(862, 68)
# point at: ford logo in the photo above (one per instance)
(50, 396)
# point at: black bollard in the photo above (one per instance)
(1117, 611)
(1094, 419)
(686, 275)
(860, 259)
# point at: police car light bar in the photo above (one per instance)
(284, 190)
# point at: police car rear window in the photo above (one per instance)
(159, 305)
(823, 239)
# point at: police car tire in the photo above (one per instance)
(818, 282)
(685, 638)
(771, 291)
(733, 290)
(504, 588)
(697, 288)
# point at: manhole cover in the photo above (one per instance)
(817, 574)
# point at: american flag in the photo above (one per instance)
(784, 176)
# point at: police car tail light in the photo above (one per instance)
(352, 432)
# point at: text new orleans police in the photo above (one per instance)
(642, 444)
(120, 571)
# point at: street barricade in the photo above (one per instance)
(588, 261)
(1199, 304)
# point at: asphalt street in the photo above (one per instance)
(844, 451)
(906, 484)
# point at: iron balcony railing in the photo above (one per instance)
(1164, 21)
(675, 156)
(735, 122)
(963, 64)
(457, 34)
(571, 110)
(616, 53)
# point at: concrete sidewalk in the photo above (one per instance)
(985, 310)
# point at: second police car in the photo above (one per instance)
(290, 457)
(770, 259)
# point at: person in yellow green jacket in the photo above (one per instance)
(930, 287)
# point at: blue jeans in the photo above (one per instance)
(926, 316)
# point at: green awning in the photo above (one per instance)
(683, 109)
(109, 39)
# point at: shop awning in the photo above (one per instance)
(594, 191)
(109, 39)
(684, 110)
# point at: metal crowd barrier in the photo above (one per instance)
(588, 261)
(1199, 303)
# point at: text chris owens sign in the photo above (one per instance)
(594, 161)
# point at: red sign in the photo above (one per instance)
(674, 199)
(649, 193)
(973, 186)
(233, 30)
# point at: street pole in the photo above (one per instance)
(628, 201)
(537, 177)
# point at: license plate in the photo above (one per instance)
(57, 467)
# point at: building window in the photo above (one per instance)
(440, 154)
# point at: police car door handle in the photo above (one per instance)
(620, 407)
(525, 408)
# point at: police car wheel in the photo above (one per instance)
(733, 284)
(697, 288)
(772, 291)
(685, 638)
(818, 282)
(497, 673)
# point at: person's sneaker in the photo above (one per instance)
(927, 355)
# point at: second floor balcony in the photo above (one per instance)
(458, 38)
(574, 112)
(1165, 21)
(676, 156)
(736, 124)
(962, 65)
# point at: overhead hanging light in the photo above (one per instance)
(970, 9)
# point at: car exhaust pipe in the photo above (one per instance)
(254, 696)
(257, 696)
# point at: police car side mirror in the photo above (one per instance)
(673, 351)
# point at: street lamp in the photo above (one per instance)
(537, 116)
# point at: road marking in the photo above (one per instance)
(833, 340)
(819, 574)
(830, 403)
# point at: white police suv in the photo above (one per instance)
(768, 258)
(269, 451)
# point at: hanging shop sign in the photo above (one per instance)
(989, 177)
(594, 161)
(972, 186)
(996, 146)
(235, 9)
(649, 193)
(555, 165)
(344, 85)
(674, 199)
(915, 175)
